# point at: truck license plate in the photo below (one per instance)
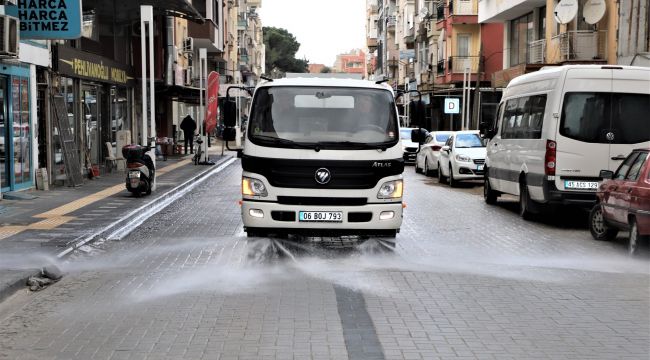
(320, 216)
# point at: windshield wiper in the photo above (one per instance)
(281, 141)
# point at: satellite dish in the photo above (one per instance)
(593, 11)
(565, 11)
(424, 12)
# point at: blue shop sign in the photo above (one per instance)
(48, 19)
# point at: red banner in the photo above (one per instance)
(211, 112)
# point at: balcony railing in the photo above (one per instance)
(440, 69)
(392, 63)
(463, 7)
(582, 45)
(458, 64)
(537, 52)
(391, 21)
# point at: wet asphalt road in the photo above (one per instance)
(465, 280)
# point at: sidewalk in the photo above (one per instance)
(37, 231)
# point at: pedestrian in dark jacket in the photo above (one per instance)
(188, 125)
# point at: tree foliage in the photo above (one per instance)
(281, 48)
(326, 70)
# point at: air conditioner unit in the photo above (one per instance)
(188, 45)
(188, 75)
(9, 36)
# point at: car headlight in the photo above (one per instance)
(252, 187)
(463, 158)
(391, 190)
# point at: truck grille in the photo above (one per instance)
(345, 174)
(324, 201)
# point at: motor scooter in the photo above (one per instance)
(140, 169)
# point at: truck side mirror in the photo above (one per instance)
(418, 135)
(230, 113)
(229, 134)
(417, 113)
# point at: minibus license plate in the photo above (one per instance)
(321, 216)
(585, 185)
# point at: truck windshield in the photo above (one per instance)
(323, 117)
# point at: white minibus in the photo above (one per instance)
(558, 127)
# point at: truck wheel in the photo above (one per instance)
(489, 195)
(598, 227)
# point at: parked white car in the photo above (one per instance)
(462, 158)
(429, 154)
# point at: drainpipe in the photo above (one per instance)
(170, 53)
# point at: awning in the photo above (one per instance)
(184, 94)
(129, 10)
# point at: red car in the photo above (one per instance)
(624, 201)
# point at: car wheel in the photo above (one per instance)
(598, 227)
(441, 177)
(490, 196)
(417, 169)
(452, 181)
(427, 172)
(525, 202)
(635, 237)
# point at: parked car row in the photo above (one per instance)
(452, 156)
(567, 135)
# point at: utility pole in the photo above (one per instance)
(477, 95)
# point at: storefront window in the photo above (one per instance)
(4, 135)
(21, 130)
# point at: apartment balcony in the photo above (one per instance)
(409, 38)
(371, 43)
(440, 68)
(440, 11)
(391, 21)
(463, 7)
(581, 45)
(536, 52)
(393, 63)
(205, 35)
(458, 64)
(242, 23)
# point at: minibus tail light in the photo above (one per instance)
(550, 158)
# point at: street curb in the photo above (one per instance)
(19, 283)
(126, 224)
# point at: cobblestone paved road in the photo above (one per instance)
(465, 281)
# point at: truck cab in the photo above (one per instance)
(322, 156)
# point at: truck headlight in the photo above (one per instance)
(253, 187)
(391, 190)
(463, 158)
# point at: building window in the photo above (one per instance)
(521, 34)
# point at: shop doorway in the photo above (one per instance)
(92, 98)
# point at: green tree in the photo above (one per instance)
(281, 48)
(326, 70)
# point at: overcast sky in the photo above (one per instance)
(324, 28)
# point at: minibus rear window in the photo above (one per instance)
(591, 116)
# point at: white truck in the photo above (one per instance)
(322, 156)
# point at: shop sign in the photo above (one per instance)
(83, 65)
(452, 106)
(212, 108)
(48, 19)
